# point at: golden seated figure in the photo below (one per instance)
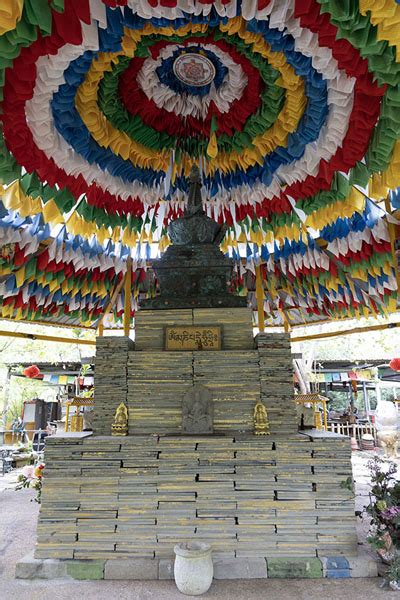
(261, 423)
(120, 425)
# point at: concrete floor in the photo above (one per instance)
(18, 517)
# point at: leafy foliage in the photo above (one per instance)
(384, 510)
(393, 573)
(32, 477)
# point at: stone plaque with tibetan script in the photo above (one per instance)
(198, 337)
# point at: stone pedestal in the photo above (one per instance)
(264, 503)
(107, 498)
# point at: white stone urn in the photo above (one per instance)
(386, 426)
(193, 568)
(60, 426)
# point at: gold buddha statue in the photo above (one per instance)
(261, 423)
(120, 425)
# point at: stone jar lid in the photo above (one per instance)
(192, 549)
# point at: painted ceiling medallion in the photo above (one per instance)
(194, 69)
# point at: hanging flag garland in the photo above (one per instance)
(286, 106)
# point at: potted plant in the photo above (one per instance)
(85, 368)
(384, 510)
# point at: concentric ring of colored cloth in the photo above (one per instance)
(172, 132)
(157, 77)
(164, 132)
(79, 67)
(288, 119)
(235, 120)
(342, 119)
(81, 103)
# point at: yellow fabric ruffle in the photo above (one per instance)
(381, 183)
(129, 238)
(355, 202)
(51, 213)
(10, 14)
(385, 14)
(14, 198)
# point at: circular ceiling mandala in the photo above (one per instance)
(194, 69)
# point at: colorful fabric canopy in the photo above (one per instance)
(289, 107)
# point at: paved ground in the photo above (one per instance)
(17, 537)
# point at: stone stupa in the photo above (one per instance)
(193, 272)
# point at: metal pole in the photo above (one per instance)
(378, 392)
(366, 399)
(6, 394)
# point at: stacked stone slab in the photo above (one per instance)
(276, 381)
(110, 380)
(157, 382)
(250, 498)
(237, 376)
(236, 324)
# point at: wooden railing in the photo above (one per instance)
(356, 430)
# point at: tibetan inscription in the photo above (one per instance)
(193, 338)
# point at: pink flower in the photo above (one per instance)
(28, 471)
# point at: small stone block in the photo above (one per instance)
(282, 568)
(166, 569)
(337, 573)
(131, 568)
(36, 568)
(363, 566)
(336, 562)
(237, 568)
(85, 569)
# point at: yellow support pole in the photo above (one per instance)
(111, 303)
(286, 324)
(392, 235)
(46, 338)
(100, 331)
(127, 292)
(329, 334)
(260, 300)
(67, 416)
(325, 415)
